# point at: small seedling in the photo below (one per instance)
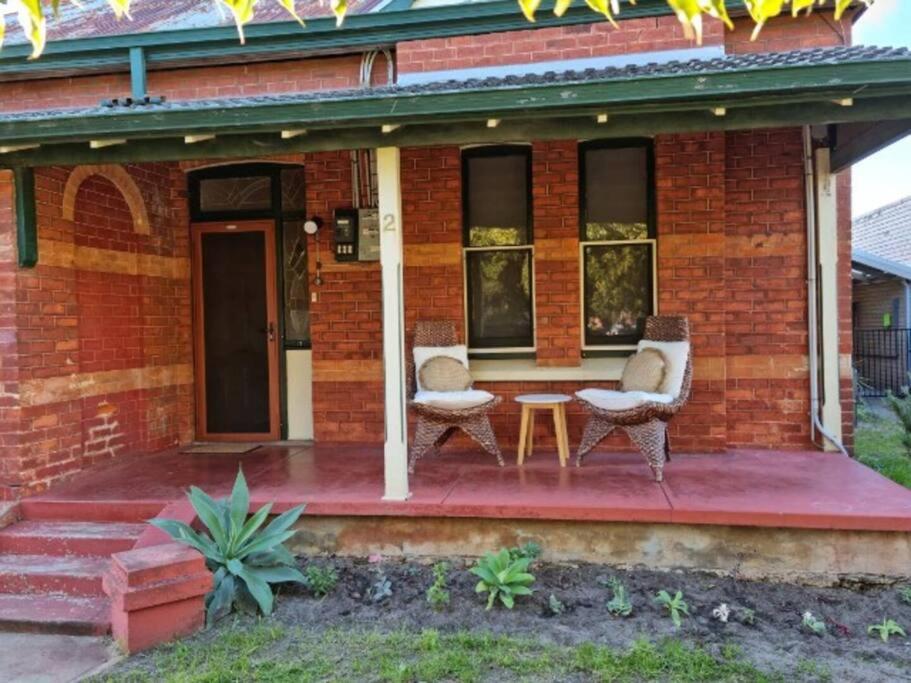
(722, 613)
(380, 590)
(437, 594)
(555, 606)
(320, 580)
(747, 616)
(530, 551)
(675, 605)
(619, 605)
(813, 624)
(503, 578)
(887, 629)
(904, 594)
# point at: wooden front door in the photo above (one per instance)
(235, 331)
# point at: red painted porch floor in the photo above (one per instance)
(745, 488)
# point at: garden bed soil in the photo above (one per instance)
(775, 642)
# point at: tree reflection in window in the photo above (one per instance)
(499, 286)
(618, 290)
(296, 283)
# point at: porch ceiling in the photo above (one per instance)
(818, 86)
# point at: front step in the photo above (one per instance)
(55, 614)
(41, 574)
(32, 537)
(88, 511)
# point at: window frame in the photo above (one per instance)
(617, 343)
(515, 346)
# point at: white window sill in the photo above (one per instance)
(525, 370)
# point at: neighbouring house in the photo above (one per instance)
(202, 241)
(881, 311)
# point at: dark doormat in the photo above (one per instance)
(227, 448)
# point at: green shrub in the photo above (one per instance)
(675, 605)
(503, 578)
(320, 580)
(530, 551)
(619, 605)
(245, 560)
(887, 629)
(438, 594)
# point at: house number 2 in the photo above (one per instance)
(389, 222)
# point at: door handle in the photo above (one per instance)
(271, 332)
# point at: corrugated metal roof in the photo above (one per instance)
(886, 232)
(97, 20)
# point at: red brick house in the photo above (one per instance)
(628, 171)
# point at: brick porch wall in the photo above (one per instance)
(102, 326)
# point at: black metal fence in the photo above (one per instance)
(881, 361)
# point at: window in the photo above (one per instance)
(617, 241)
(496, 192)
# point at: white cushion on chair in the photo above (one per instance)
(422, 354)
(675, 356)
(607, 399)
(454, 400)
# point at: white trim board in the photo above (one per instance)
(631, 59)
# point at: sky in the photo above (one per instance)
(886, 176)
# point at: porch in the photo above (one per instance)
(809, 515)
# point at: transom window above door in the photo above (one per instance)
(497, 240)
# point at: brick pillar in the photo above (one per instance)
(10, 466)
(689, 172)
(555, 191)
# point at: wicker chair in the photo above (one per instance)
(645, 424)
(435, 425)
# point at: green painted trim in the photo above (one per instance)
(746, 89)
(138, 84)
(264, 145)
(26, 217)
(378, 29)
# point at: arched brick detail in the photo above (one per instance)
(121, 180)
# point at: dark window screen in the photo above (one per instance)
(497, 200)
(616, 193)
(499, 298)
(293, 196)
(618, 292)
(236, 343)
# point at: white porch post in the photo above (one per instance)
(391, 259)
(827, 221)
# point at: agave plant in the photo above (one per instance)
(503, 578)
(245, 559)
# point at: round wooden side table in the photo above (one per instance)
(553, 402)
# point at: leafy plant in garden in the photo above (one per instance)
(531, 550)
(904, 594)
(381, 589)
(747, 616)
(887, 629)
(438, 594)
(812, 624)
(555, 605)
(900, 405)
(503, 578)
(320, 580)
(676, 605)
(619, 605)
(245, 559)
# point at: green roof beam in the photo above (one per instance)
(26, 217)
(138, 83)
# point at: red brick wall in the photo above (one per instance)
(10, 453)
(790, 33)
(236, 80)
(598, 39)
(103, 335)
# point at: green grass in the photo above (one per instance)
(877, 444)
(244, 652)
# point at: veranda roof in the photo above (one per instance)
(815, 86)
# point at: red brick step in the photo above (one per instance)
(37, 574)
(89, 511)
(32, 537)
(54, 614)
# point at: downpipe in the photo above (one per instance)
(812, 305)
